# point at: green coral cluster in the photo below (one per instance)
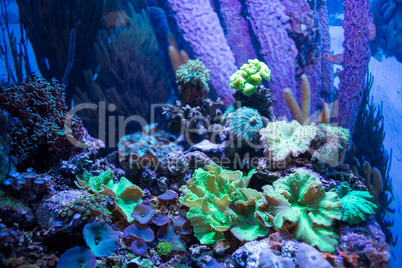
(219, 201)
(126, 195)
(209, 193)
(93, 183)
(299, 203)
(250, 76)
(357, 206)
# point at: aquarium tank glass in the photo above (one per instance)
(200, 133)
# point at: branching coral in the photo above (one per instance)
(298, 202)
(192, 79)
(250, 76)
(44, 131)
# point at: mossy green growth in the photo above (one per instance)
(300, 204)
(250, 76)
(93, 184)
(219, 200)
(356, 205)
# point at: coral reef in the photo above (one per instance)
(44, 130)
(200, 28)
(247, 188)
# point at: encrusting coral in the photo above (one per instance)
(299, 203)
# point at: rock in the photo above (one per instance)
(307, 257)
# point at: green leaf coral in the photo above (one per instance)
(126, 196)
(93, 184)
(357, 205)
(250, 76)
(298, 202)
(209, 193)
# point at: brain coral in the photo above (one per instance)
(282, 139)
(300, 204)
(245, 123)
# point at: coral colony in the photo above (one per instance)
(255, 160)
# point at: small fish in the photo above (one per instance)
(372, 31)
(115, 19)
(337, 59)
(11, 18)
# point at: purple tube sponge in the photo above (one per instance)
(202, 30)
(77, 257)
(356, 56)
(139, 247)
(142, 213)
(139, 231)
(269, 23)
(101, 238)
(237, 32)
